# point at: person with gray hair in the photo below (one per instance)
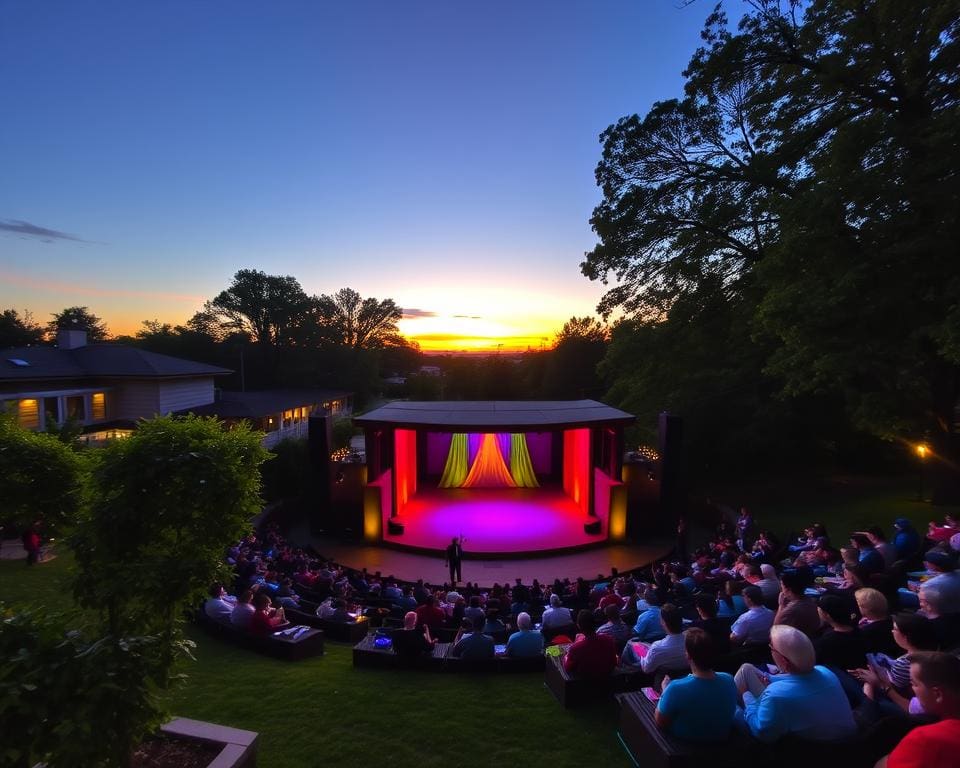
(557, 616)
(805, 700)
(940, 602)
(526, 642)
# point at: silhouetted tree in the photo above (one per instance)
(79, 318)
(18, 330)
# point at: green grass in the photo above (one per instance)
(322, 712)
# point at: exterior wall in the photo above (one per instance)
(180, 394)
(136, 400)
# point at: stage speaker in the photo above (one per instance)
(319, 442)
(673, 493)
(592, 527)
(394, 527)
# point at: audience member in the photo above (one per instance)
(935, 678)
(220, 605)
(753, 627)
(526, 641)
(701, 706)
(795, 609)
(840, 646)
(243, 611)
(592, 655)
(615, 626)
(718, 629)
(265, 618)
(661, 655)
(648, 626)
(876, 626)
(412, 642)
(804, 700)
(471, 643)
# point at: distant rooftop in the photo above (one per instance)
(112, 360)
(504, 415)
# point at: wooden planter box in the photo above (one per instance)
(239, 746)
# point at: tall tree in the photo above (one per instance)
(347, 318)
(18, 330)
(80, 318)
(269, 308)
(811, 168)
(571, 366)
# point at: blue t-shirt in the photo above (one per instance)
(700, 709)
(811, 706)
(648, 626)
(525, 643)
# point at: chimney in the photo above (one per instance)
(71, 338)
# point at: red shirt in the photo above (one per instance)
(929, 746)
(262, 624)
(591, 656)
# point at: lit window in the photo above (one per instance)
(98, 406)
(28, 414)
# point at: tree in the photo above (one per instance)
(811, 170)
(571, 366)
(270, 308)
(79, 318)
(169, 500)
(41, 479)
(348, 319)
(18, 330)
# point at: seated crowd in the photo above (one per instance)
(816, 641)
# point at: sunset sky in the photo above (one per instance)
(437, 153)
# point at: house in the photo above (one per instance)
(280, 413)
(107, 388)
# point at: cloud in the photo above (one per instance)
(79, 289)
(418, 313)
(32, 230)
(469, 317)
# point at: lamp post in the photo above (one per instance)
(923, 450)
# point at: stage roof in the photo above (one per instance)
(494, 415)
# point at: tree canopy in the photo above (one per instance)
(347, 318)
(809, 175)
(18, 330)
(80, 318)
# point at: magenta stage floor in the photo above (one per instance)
(494, 521)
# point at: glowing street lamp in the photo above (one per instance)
(923, 451)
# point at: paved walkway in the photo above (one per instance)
(12, 549)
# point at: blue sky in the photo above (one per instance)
(437, 153)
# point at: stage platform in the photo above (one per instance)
(495, 522)
(408, 566)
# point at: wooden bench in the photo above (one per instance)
(651, 747)
(367, 654)
(574, 692)
(340, 631)
(307, 644)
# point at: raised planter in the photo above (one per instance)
(239, 746)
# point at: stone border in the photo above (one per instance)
(239, 746)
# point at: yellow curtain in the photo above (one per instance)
(521, 468)
(489, 470)
(458, 460)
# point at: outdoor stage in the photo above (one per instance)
(510, 522)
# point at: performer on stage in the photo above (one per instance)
(454, 558)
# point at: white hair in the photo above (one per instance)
(793, 645)
(523, 620)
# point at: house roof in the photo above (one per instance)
(517, 415)
(113, 360)
(255, 405)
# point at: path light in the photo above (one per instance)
(923, 450)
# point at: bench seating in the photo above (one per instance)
(308, 644)
(344, 632)
(366, 654)
(574, 692)
(653, 748)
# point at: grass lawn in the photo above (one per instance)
(322, 712)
